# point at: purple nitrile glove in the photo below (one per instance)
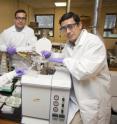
(20, 72)
(57, 60)
(11, 50)
(46, 54)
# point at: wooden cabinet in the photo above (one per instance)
(86, 21)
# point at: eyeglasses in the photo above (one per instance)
(20, 18)
(69, 26)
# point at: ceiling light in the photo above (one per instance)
(60, 4)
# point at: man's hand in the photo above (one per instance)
(11, 50)
(57, 60)
(46, 54)
(20, 72)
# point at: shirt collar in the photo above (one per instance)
(80, 40)
(14, 29)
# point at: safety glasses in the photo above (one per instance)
(20, 18)
(69, 26)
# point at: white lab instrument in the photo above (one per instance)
(45, 98)
(43, 44)
(29, 120)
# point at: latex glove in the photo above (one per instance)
(58, 60)
(20, 72)
(46, 54)
(11, 50)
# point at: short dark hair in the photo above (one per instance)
(70, 15)
(20, 11)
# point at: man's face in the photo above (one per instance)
(71, 29)
(20, 20)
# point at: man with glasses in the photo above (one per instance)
(18, 38)
(84, 56)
